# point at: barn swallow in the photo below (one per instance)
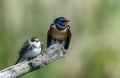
(30, 49)
(59, 32)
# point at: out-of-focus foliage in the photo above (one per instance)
(95, 46)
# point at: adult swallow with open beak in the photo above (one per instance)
(59, 32)
(30, 49)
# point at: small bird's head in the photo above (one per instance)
(35, 41)
(62, 21)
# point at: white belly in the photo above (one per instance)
(33, 53)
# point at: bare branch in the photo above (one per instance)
(51, 54)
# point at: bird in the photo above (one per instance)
(30, 49)
(59, 32)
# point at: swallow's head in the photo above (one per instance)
(62, 21)
(35, 41)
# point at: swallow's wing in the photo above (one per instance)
(67, 41)
(24, 48)
(49, 39)
(22, 51)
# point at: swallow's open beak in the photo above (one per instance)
(67, 20)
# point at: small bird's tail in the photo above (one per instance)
(19, 60)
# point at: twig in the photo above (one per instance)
(51, 54)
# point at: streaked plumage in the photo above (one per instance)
(30, 49)
(59, 32)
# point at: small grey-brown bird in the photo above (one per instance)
(30, 49)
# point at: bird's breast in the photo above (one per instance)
(32, 53)
(59, 34)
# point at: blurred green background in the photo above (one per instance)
(95, 25)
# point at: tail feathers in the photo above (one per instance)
(66, 46)
(19, 60)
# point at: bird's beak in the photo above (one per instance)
(42, 43)
(67, 20)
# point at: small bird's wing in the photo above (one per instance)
(23, 50)
(49, 39)
(67, 41)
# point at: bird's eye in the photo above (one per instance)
(63, 21)
(37, 40)
(32, 40)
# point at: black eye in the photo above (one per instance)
(37, 40)
(63, 21)
(32, 40)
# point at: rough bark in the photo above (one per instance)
(51, 54)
